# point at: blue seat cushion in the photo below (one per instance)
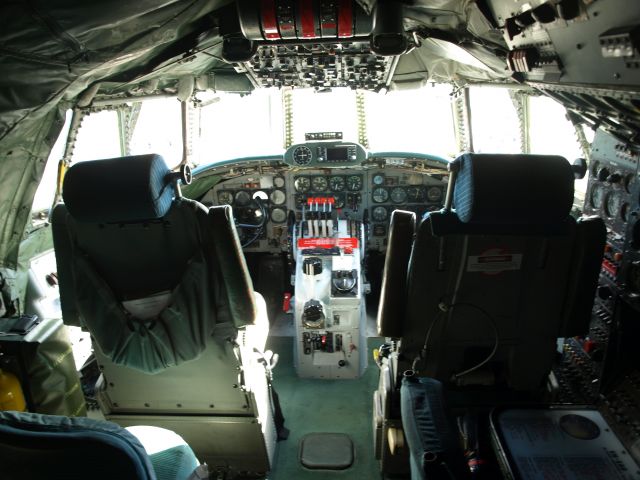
(55, 447)
(433, 443)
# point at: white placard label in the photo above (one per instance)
(493, 262)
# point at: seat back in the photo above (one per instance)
(492, 285)
(161, 284)
(55, 447)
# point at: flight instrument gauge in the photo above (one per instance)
(319, 184)
(277, 197)
(354, 183)
(338, 201)
(302, 156)
(597, 196)
(242, 198)
(398, 195)
(379, 214)
(225, 197)
(612, 205)
(337, 184)
(302, 184)
(278, 181)
(416, 194)
(278, 215)
(434, 194)
(380, 195)
(378, 179)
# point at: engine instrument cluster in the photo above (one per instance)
(601, 367)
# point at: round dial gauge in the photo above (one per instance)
(338, 201)
(612, 204)
(225, 197)
(277, 197)
(278, 215)
(379, 214)
(380, 195)
(337, 184)
(242, 198)
(434, 194)
(416, 194)
(302, 155)
(378, 179)
(597, 196)
(354, 183)
(278, 181)
(398, 195)
(319, 184)
(302, 184)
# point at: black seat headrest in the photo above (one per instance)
(122, 189)
(513, 189)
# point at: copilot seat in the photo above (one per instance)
(475, 297)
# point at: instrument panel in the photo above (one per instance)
(366, 194)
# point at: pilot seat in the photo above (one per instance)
(473, 301)
(161, 284)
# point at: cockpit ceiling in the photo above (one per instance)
(63, 54)
(55, 53)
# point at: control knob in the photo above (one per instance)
(312, 266)
(313, 314)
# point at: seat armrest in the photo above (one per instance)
(255, 336)
(391, 310)
(233, 267)
(586, 262)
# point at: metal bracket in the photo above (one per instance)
(462, 120)
(520, 101)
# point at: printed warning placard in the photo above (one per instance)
(494, 261)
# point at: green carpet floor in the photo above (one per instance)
(338, 406)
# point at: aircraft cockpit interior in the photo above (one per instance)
(316, 239)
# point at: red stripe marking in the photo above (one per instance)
(269, 20)
(307, 23)
(345, 19)
(328, 242)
